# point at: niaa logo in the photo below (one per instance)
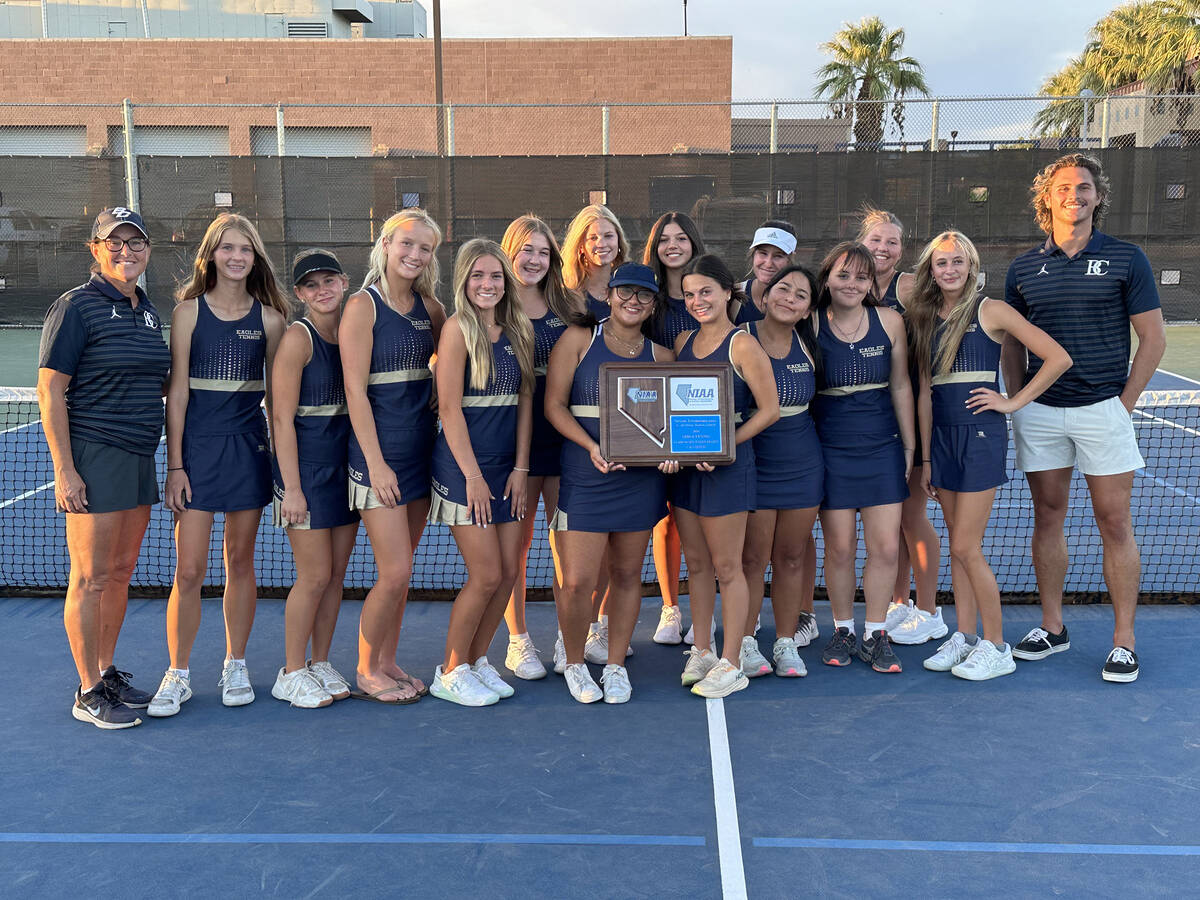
(637, 395)
(689, 394)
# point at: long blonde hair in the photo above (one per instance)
(575, 266)
(563, 302)
(509, 316)
(427, 282)
(261, 283)
(926, 303)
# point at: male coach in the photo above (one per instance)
(1085, 289)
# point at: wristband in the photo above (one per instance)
(174, 468)
(519, 469)
(473, 477)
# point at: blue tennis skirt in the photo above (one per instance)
(968, 458)
(863, 471)
(228, 472)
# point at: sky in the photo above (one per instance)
(971, 48)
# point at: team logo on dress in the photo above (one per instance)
(799, 368)
(249, 334)
(1042, 270)
(1097, 267)
(868, 352)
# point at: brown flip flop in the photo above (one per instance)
(376, 698)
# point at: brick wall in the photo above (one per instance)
(608, 70)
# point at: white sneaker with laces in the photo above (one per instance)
(897, 614)
(560, 655)
(788, 663)
(752, 660)
(722, 680)
(595, 650)
(616, 684)
(919, 627)
(697, 666)
(807, 632)
(522, 659)
(670, 625)
(986, 661)
(690, 637)
(172, 691)
(235, 684)
(331, 679)
(490, 678)
(460, 685)
(580, 683)
(300, 688)
(950, 654)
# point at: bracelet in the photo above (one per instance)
(926, 463)
(519, 469)
(473, 477)
(175, 469)
(910, 449)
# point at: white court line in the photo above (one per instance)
(27, 494)
(1177, 375)
(1191, 431)
(729, 835)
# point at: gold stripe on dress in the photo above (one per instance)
(398, 376)
(851, 389)
(330, 409)
(964, 377)
(584, 412)
(539, 370)
(226, 385)
(785, 411)
(491, 400)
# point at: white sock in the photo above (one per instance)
(230, 659)
(848, 624)
(523, 636)
(603, 620)
(181, 673)
(482, 661)
(870, 628)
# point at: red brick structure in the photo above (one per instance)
(487, 71)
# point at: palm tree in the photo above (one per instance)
(1062, 117)
(867, 72)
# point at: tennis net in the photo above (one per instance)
(1166, 518)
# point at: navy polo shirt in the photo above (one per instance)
(118, 363)
(1084, 302)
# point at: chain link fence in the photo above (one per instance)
(329, 175)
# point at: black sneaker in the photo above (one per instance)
(1121, 665)
(103, 708)
(128, 694)
(840, 648)
(1040, 643)
(877, 651)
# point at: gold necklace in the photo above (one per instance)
(631, 349)
(849, 339)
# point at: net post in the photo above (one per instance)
(131, 175)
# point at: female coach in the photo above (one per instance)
(102, 369)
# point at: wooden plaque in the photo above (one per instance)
(655, 411)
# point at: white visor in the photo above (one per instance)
(776, 237)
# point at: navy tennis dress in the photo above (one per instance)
(491, 416)
(788, 459)
(632, 499)
(856, 422)
(967, 450)
(322, 438)
(731, 488)
(399, 388)
(225, 450)
(890, 298)
(749, 311)
(546, 445)
(598, 308)
(672, 322)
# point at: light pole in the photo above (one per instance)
(437, 77)
(685, 34)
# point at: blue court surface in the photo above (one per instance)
(847, 783)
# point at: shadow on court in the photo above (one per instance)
(847, 782)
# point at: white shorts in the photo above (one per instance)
(1098, 438)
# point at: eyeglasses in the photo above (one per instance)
(628, 292)
(114, 244)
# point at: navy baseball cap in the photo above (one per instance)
(320, 261)
(635, 274)
(110, 219)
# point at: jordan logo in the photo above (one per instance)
(1042, 270)
(115, 314)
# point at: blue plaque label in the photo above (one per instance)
(696, 434)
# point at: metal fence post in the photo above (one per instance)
(1086, 94)
(604, 129)
(774, 128)
(131, 174)
(933, 131)
(1104, 123)
(280, 141)
(449, 129)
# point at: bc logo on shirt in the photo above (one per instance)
(1097, 267)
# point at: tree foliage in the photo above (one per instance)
(868, 72)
